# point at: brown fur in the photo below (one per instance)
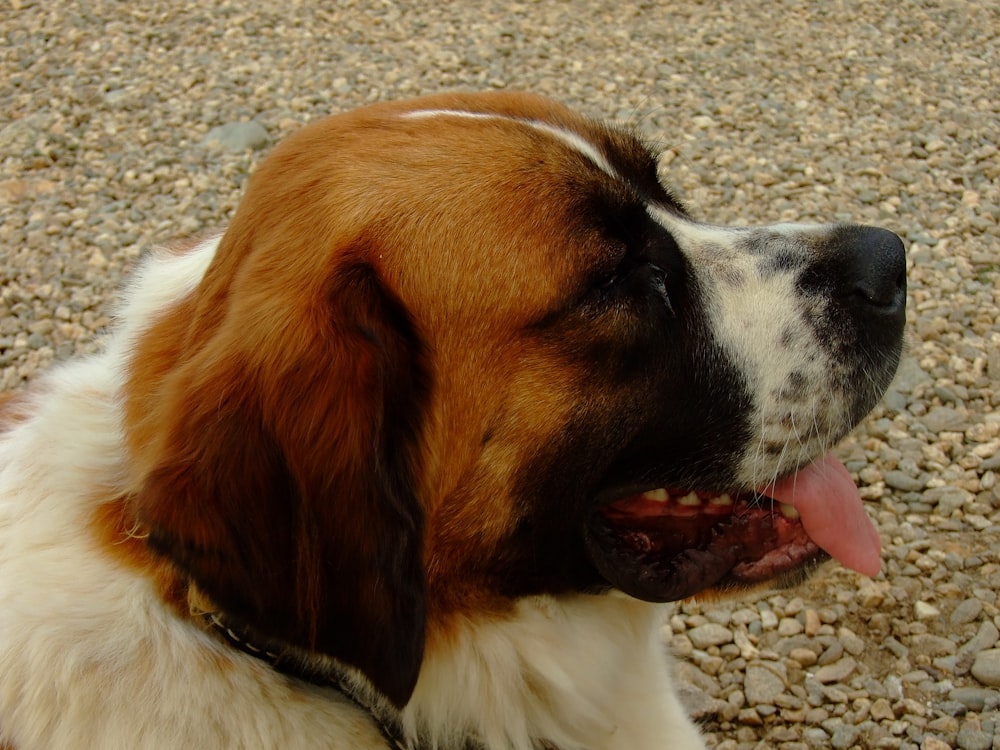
(254, 406)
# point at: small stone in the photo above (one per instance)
(852, 644)
(237, 136)
(972, 737)
(931, 645)
(925, 611)
(709, 634)
(974, 698)
(815, 737)
(750, 717)
(789, 626)
(844, 737)
(813, 622)
(768, 619)
(14, 190)
(681, 647)
(900, 480)
(833, 694)
(909, 375)
(993, 462)
(951, 708)
(97, 259)
(871, 593)
(881, 710)
(833, 652)
(893, 688)
(966, 612)
(836, 672)
(763, 684)
(747, 650)
(985, 638)
(944, 419)
(986, 667)
(806, 657)
(933, 743)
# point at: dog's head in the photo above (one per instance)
(460, 350)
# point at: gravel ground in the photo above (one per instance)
(885, 113)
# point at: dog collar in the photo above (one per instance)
(388, 723)
(241, 639)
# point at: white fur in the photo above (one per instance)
(749, 317)
(91, 658)
(581, 671)
(568, 137)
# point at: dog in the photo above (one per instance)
(412, 454)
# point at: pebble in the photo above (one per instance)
(975, 698)
(972, 737)
(931, 645)
(804, 656)
(764, 683)
(885, 114)
(844, 737)
(900, 480)
(933, 743)
(881, 710)
(852, 643)
(237, 136)
(709, 634)
(925, 611)
(986, 667)
(837, 672)
(944, 418)
(984, 639)
(966, 612)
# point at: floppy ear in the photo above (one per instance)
(281, 474)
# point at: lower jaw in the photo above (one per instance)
(670, 559)
(754, 576)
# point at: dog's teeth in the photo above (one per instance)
(723, 499)
(657, 496)
(689, 499)
(787, 510)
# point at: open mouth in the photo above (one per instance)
(664, 545)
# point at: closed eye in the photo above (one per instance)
(632, 280)
(658, 281)
(608, 280)
(629, 274)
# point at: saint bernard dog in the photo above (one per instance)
(411, 455)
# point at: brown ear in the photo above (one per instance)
(281, 477)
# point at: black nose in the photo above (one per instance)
(874, 276)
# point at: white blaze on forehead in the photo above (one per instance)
(701, 234)
(569, 137)
(691, 234)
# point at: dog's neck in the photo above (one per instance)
(322, 672)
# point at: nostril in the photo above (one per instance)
(877, 268)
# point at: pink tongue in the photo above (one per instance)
(832, 514)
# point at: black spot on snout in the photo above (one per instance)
(795, 389)
(776, 253)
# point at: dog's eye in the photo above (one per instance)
(611, 279)
(617, 263)
(631, 277)
(658, 280)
